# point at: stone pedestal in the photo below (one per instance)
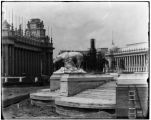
(55, 81)
(73, 83)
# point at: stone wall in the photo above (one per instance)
(123, 103)
(132, 83)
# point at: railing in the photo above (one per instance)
(135, 68)
(19, 78)
(128, 51)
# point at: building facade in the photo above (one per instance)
(132, 58)
(29, 55)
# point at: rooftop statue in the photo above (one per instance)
(72, 62)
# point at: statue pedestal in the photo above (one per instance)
(55, 81)
(55, 78)
(74, 83)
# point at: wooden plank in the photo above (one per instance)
(10, 101)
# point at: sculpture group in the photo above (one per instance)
(72, 62)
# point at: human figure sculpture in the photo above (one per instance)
(72, 61)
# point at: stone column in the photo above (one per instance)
(6, 60)
(21, 62)
(16, 61)
(140, 62)
(34, 61)
(137, 63)
(31, 62)
(9, 60)
(144, 62)
(127, 63)
(3, 61)
(20, 58)
(38, 64)
(36, 55)
(30, 65)
(27, 68)
(27, 62)
(134, 62)
(24, 60)
(13, 61)
(124, 61)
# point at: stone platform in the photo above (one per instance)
(98, 101)
(102, 97)
(44, 97)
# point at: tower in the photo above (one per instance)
(92, 53)
(35, 27)
(92, 44)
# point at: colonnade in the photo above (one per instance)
(19, 61)
(133, 62)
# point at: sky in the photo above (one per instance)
(75, 23)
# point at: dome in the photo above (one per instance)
(5, 25)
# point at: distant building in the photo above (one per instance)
(132, 58)
(29, 55)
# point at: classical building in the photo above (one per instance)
(132, 58)
(28, 55)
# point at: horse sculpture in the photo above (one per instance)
(72, 60)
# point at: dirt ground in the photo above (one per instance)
(24, 110)
(27, 111)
